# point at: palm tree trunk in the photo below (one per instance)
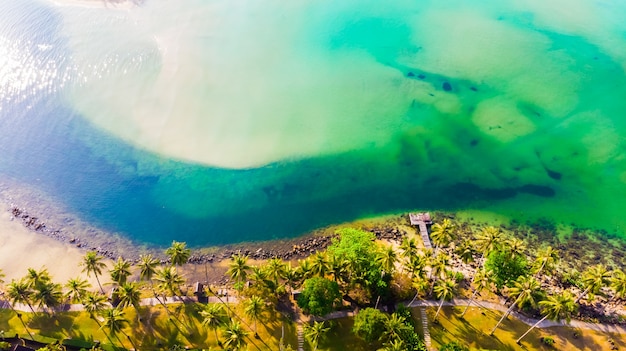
(439, 309)
(100, 285)
(414, 298)
(470, 302)
(105, 333)
(129, 340)
(583, 294)
(503, 316)
(19, 316)
(531, 328)
(540, 268)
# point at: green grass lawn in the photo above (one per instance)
(473, 330)
(155, 331)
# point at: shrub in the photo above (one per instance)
(547, 340)
(5, 345)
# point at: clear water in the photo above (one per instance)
(223, 121)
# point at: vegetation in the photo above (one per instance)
(355, 270)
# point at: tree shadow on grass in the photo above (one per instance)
(58, 325)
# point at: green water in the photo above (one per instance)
(210, 115)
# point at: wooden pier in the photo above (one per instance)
(422, 220)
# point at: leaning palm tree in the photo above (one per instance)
(444, 290)
(417, 266)
(484, 280)
(525, 292)
(319, 264)
(387, 258)
(178, 253)
(92, 263)
(305, 269)
(238, 268)
(76, 289)
(20, 292)
(120, 271)
(442, 233)
(618, 284)
(169, 280)
(213, 316)
(555, 307)
(253, 307)
(546, 259)
(488, 240)
(48, 294)
(94, 303)
(393, 326)
(314, 333)
(114, 321)
(234, 335)
(594, 278)
(130, 295)
(438, 268)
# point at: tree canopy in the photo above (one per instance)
(319, 296)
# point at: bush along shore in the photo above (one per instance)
(280, 300)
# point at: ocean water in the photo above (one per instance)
(221, 121)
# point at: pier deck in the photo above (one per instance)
(422, 220)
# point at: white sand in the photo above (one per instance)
(111, 4)
(21, 249)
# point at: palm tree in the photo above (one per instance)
(35, 278)
(417, 266)
(253, 307)
(409, 248)
(235, 336)
(444, 290)
(524, 291)
(178, 253)
(20, 292)
(120, 271)
(276, 269)
(618, 284)
(438, 267)
(94, 303)
(336, 267)
(304, 269)
(442, 233)
(483, 280)
(594, 278)
(394, 345)
(466, 251)
(515, 247)
(114, 321)
(130, 295)
(487, 240)
(238, 268)
(546, 259)
(421, 286)
(387, 259)
(147, 267)
(48, 294)
(315, 332)
(319, 264)
(393, 325)
(169, 280)
(555, 307)
(76, 289)
(92, 263)
(213, 316)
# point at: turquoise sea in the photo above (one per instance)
(213, 121)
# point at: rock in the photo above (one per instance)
(446, 86)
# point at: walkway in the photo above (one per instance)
(606, 328)
(422, 220)
(424, 318)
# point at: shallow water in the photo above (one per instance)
(219, 121)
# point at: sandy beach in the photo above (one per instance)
(110, 4)
(21, 249)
